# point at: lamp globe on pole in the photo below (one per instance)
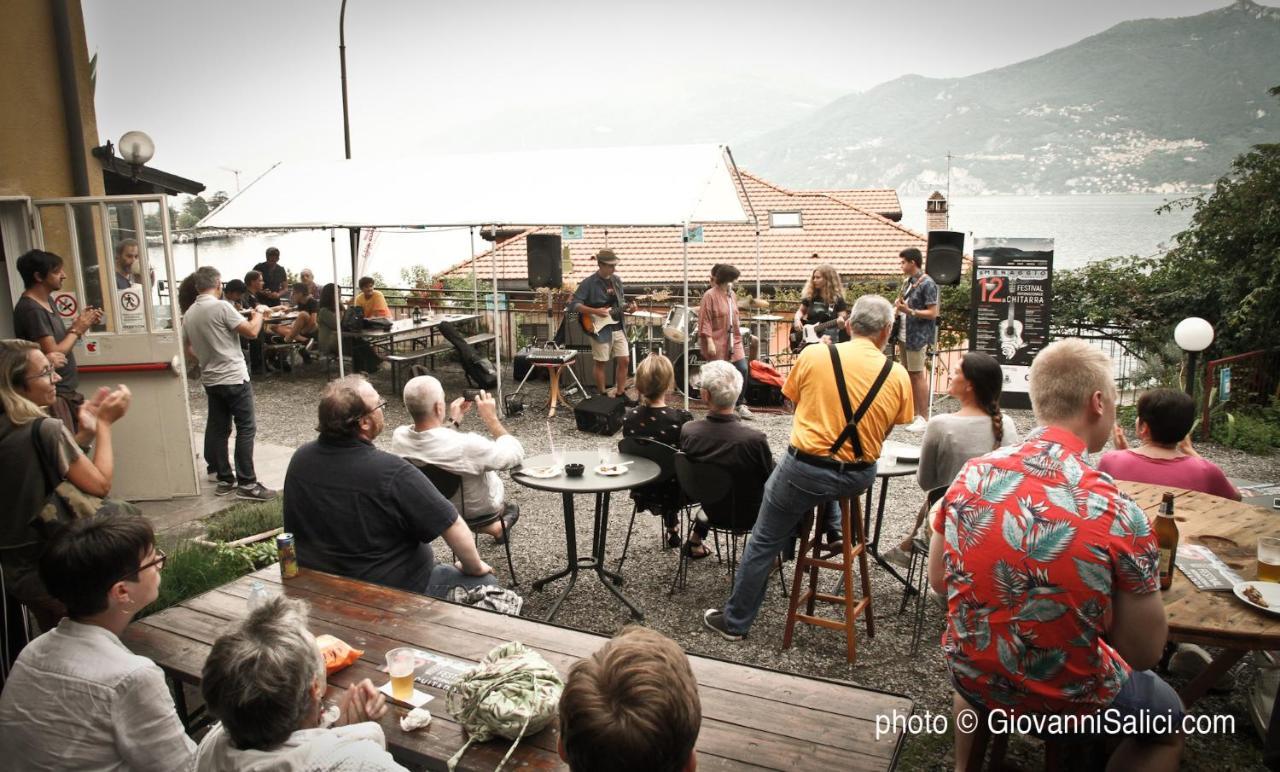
(1193, 335)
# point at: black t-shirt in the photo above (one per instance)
(273, 278)
(817, 311)
(310, 305)
(360, 512)
(31, 321)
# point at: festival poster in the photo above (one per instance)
(1011, 304)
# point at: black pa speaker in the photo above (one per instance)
(600, 414)
(544, 260)
(944, 260)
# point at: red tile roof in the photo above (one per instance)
(856, 241)
(882, 201)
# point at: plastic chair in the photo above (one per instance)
(450, 484)
(726, 506)
(664, 456)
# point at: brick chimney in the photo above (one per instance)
(936, 217)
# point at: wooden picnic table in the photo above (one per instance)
(752, 718)
(1218, 619)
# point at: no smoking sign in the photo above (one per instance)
(66, 305)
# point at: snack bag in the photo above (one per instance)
(337, 654)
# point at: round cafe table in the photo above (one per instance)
(639, 471)
(1218, 619)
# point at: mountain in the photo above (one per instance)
(1148, 106)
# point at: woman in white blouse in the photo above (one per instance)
(77, 698)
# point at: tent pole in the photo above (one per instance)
(684, 238)
(475, 281)
(195, 247)
(354, 239)
(337, 299)
(497, 336)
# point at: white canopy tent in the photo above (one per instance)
(651, 186)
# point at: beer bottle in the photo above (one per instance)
(1167, 540)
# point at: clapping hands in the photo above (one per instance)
(361, 702)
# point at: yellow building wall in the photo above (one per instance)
(34, 160)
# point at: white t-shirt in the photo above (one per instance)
(472, 457)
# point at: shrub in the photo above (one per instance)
(245, 519)
(192, 569)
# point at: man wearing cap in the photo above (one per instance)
(600, 300)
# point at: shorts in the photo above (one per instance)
(912, 359)
(1144, 695)
(614, 347)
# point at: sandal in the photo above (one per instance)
(692, 552)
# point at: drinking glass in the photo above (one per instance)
(400, 664)
(1269, 559)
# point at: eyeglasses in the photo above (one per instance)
(157, 561)
(48, 372)
(381, 405)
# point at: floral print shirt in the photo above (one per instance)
(1037, 544)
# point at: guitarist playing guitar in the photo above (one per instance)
(822, 309)
(599, 301)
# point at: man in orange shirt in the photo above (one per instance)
(371, 300)
(836, 437)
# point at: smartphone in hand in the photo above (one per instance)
(470, 395)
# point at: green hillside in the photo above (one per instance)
(1153, 105)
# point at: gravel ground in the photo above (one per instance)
(286, 416)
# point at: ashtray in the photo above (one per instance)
(574, 470)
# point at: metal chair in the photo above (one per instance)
(726, 506)
(664, 456)
(450, 484)
(918, 572)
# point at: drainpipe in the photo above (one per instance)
(70, 98)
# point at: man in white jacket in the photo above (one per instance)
(435, 438)
(265, 683)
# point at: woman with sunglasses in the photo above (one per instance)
(37, 453)
(77, 698)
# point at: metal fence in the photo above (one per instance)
(1244, 379)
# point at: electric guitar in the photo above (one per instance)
(1011, 335)
(593, 324)
(811, 333)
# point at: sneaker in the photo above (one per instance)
(745, 413)
(899, 557)
(510, 515)
(713, 620)
(255, 492)
(917, 426)
(212, 476)
(224, 488)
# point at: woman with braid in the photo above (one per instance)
(950, 440)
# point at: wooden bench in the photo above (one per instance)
(752, 718)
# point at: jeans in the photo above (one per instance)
(793, 489)
(228, 404)
(741, 364)
(445, 577)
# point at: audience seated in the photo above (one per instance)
(632, 706)
(830, 457)
(371, 301)
(654, 419)
(1051, 573)
(1165, 456)
(308, 277)
(722, 438)
(232, 292)
(951, 439)
(37, 452)
(364, 513)
(477, 460)
(77, 698)
(304, 325)
(265, 682)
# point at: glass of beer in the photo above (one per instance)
(400, 664)
(1269, 559)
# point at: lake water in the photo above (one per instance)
(1084, 228)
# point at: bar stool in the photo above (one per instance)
(811, 556)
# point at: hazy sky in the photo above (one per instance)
(242, 84)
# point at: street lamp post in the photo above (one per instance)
(1193, 335)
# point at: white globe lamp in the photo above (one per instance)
(1193, 335)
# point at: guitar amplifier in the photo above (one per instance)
(600, 414)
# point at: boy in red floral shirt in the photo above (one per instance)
(1051, 574)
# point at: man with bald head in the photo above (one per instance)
(435, 438)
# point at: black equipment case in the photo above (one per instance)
(600, 414)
